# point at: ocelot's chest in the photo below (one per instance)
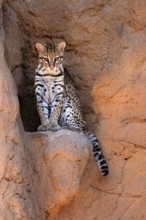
(52, 87)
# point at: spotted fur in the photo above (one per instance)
(58, 105)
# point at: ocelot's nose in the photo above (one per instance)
(51, 67)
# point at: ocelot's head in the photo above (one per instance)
(51, 56)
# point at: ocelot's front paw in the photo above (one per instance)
(49, 127)
(53, 127)
(42, 128)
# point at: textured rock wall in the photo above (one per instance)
(14, 184)
(106, 57)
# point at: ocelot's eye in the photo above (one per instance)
(45, 59)
(57, 59)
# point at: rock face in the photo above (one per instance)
(106, 57)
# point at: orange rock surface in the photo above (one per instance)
(52, 176)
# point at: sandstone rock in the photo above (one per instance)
(15, 186)
(106, 57)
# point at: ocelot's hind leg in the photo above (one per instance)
(72, 119)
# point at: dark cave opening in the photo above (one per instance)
(26, 92)
(28, 112)
(27, 99)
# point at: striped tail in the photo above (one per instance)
(97, 154)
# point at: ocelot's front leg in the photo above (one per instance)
(55, 112)
(43, 109)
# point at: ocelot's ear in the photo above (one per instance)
(61, 46)
(40, 47)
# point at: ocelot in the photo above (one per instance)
(57, 103)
